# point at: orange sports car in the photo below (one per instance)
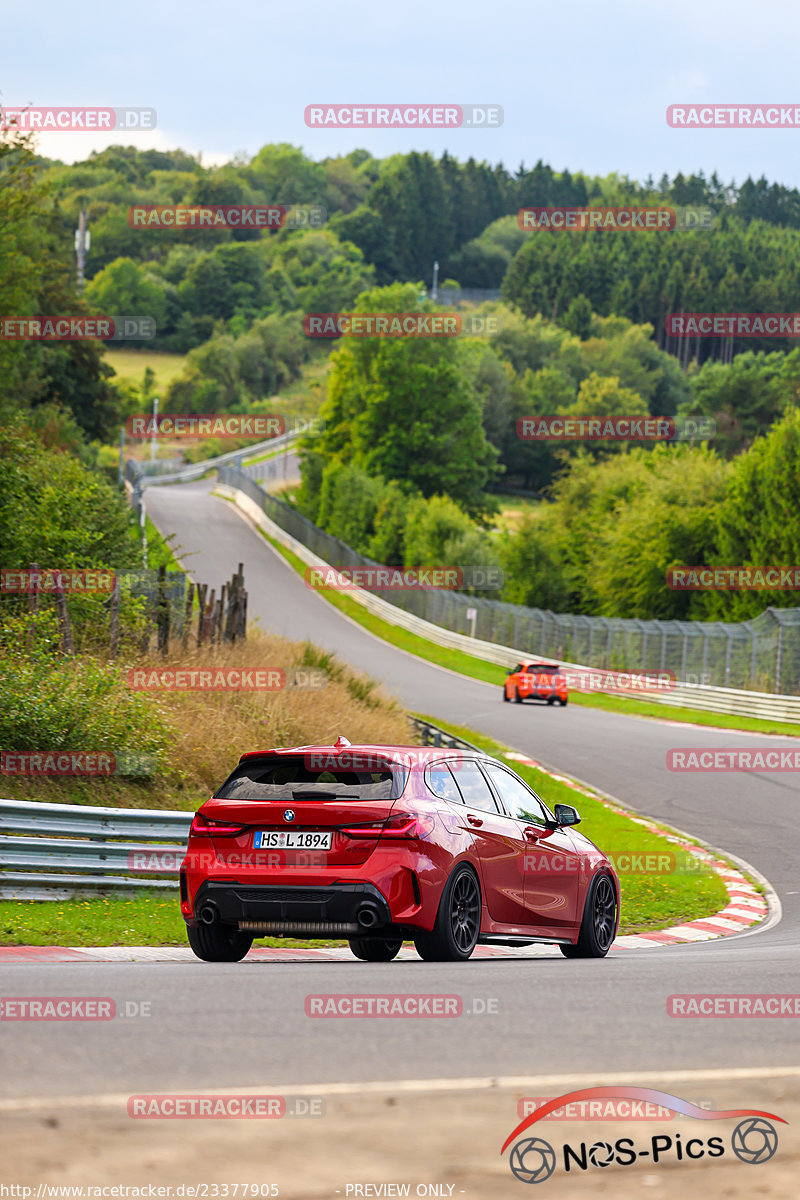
(536, 681)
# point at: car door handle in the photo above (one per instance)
(474, 820)
(532, 835)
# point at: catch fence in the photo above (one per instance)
(761, 655)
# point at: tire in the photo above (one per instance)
(552, 700)
(563, 703)
(458, 921)
(505, 694)
(597, 927)
(517, 697)
(218, 943)
(375, 949)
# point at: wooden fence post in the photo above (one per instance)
(202, 589)
(63, 620)
(219, 624)
(114, 620)
(33, 606)
(162, 612)
(187, 615)
(208, 628)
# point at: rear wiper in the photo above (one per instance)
(317, 796)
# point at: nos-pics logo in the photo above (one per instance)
(754, 1140)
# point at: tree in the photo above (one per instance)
(125, 289)
(404, 408)
(578, 317)
(757, 520)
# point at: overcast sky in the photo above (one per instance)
(583, 85)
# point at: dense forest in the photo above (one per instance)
(421, 434)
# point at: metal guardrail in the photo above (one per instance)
(275, 517)
(761, 655)
(193, 471)
(432, 735)
(50, 851)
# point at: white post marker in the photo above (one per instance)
(155, 427)
(472, 615)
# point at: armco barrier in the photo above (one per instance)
(52, 851)
(135, 473)
(48, 851)
(759, 655)
(764, 705)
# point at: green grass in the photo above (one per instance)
(259, 458)
(159, 550)
(649, 901)
(476, 668)
(148, 920)
(130, 365)
(514, 510)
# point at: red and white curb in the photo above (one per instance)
(746, 906)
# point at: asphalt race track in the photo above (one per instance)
(551, 1015)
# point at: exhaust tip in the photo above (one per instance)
(208, 914)
(367, 916)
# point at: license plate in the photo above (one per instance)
(291, 839)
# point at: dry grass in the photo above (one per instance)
(207, 731)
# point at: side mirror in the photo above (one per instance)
(510, 671)
(565, 814)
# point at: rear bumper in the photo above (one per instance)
(340, 908)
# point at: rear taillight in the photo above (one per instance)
(202, 825)
(399, 825)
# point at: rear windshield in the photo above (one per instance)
(541, 669)
(313, 777)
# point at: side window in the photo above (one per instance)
(519, 667)
(441, 783)
(519, 801)
(473, 786)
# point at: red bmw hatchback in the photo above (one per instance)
(380, 844)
